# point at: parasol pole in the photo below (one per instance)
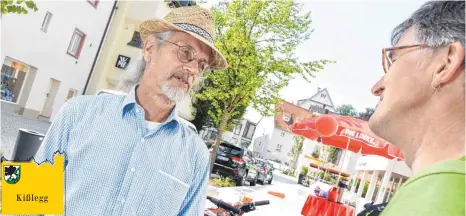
(344, 156)
(323, 165)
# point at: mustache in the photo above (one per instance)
(184, 76)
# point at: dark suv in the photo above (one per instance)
(235, 162)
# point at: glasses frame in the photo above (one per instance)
(207, 68)
(387, 61)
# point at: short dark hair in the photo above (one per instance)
(436, 23)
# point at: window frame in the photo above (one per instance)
(80, 46)
(46, 22)
(94, 4)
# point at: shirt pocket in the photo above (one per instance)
(164, 195)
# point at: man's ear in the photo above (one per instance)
(452, 61)
(148, 48)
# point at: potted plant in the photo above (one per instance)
(303, 174)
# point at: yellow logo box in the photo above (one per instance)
(29, 188)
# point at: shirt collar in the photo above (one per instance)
(129, 103)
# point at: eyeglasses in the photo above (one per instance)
(387, 55)
(186, 54)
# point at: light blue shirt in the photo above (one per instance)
(115, 165)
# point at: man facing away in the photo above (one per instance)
(129, 155)
(422, 109)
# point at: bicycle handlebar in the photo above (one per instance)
(224, 205)
(259, 203)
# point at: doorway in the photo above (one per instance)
(50, 99)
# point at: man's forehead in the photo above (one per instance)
(408, 38)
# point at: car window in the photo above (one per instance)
(261, 163)
(231, 150)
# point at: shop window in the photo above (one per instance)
(12, 80)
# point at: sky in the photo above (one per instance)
(352, 33)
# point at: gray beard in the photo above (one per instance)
(174, 94)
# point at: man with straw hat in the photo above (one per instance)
(128, 154)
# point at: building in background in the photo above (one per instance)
(122, 46)
(241, 135)
(384, 177)
(320, 102)
(273, 139)
(47, 55)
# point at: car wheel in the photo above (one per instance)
(253, 182)
(262, 181)
(240, 180)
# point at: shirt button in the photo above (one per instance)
(122, 200)
(132, 169)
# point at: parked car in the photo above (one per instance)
(182, 120)
(236, 163)
(265, 170)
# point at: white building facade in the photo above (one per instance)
(241, 135)
(272, 139)
(47, 55)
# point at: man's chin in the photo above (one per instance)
(378, 124)
(174, 94)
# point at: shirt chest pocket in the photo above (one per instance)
(165, 195)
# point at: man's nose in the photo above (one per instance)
(378, 87)
(193, 67)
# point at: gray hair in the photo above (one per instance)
(436, 23)
(131, 76)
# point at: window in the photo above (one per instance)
(71, 93)
(279, 147)
(249, 130)
(323, 95)
(213, 135)
(12, 80)
(93, 2)
(76, 44)
(46, 22)
(282, 134)
(135, 40)
(286, 118)
(237, 129)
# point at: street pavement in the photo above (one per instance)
(295, 196)
(11, 123)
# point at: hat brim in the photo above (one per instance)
(158, 26)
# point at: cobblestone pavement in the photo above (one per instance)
(11, 123)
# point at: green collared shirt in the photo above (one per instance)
(437, 190)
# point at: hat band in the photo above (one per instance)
(195, 29)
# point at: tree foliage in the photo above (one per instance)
(331, 154)
(296, 150)
(347, 110)
(259, 39)
(366, 115)
(18, 6)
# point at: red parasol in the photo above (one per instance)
(346, 133)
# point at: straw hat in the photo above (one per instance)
(194, 20)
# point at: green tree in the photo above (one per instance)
(259, 39)
(296, 150)
(366, 115)
(347, 110)
(18, 6)
(331, 153)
